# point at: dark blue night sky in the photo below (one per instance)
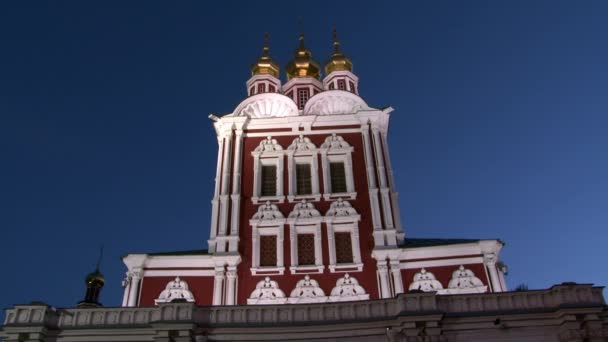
(500, 128)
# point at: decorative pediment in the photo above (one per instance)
(267, 105)
(335, 142)
(267, 292)
(301, 144)
(335, 102)
(464, 281)
(268, 145)
(341, 208)
(175, 291)
(267, 212)
(304, 210)
(425, 281)
(307, 291)
(347, 289)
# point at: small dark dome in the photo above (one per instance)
(95, 278)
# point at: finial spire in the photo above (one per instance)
(336, 42)
(266, 46)
(100, 257)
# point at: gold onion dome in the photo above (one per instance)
(95, 278)
(338, 61)
(302, 64)
(265, 65)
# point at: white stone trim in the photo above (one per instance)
(266, 105)
(464, 281)
(408, 265)
(335, 102)
(305, 219)
(336, 149)
(347, 289)
(269, 152)
(307, 291)
(267, 292)
(306, 132)
(176, 290)
(268, 220)
(235, 197)
(302, 150)
(342, 217)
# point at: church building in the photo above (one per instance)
(307, 243)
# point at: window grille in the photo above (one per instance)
(306, 249)
(269, 180)
(303, 179)
(268, 250)
(338, 177)
(342, 84)
(303, 95)
(352, 86)
(344, 249)
(271, 88)
(261, 88)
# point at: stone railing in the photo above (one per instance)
(559, 296)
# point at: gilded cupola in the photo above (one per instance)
(338, 61)
(302, 65)
(265, 65)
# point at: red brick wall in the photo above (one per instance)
(327, 280)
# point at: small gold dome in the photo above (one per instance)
(302, 65)
(338, 61)
(265, 65)
(95, 278)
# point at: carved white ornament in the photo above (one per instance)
(335, 102)
(267, 292)
(347, 289)
(335, 142)
(175, 291)
(464, 281)
(304, 210)
(307, 291)
(268, 145)
(267, 212)
(425, 281)
(301, 144)
(267, 105)
(341, 208)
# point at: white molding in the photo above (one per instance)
(302, 151)
(181, 272)
(176, 290)
(440, 262)
(269, 152)
(347, 289)
(425, 281)
(305, 219)
(336, 149)
(267, 292)
(268, 220)
(307, 291)
(267, 105)
(305, 132)
(335, 102)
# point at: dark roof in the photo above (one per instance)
(192, 252)
(419, 242)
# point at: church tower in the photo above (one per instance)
(305, 207)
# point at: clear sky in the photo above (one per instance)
(500, 127)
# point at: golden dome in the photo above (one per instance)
(265, 65)
(302, 64)
(338, 61)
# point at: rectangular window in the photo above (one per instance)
(331, 86)
(338, 177)
(352, 86)
(271, 88)
(268, 250)
(303, 95)
(342, 84)
(303, 179)
(261, 88)
(344, 249)
(269, 180)
(306, 249)
(250, 91)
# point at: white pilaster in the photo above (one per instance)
(218, 286)
(384, 190)
(231, 285)
(135, 276)
(489, 260)
(236, 191)
(391, 182)
(371, 180)
(396, 275)
(216, 192)
(385, 291)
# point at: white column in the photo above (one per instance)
(384, 191)
(392, 185)
(127, 289)
(325, 166)
(318, 246)
(225, 188)
(134, 290)
(236, 191)
(355, 245)
(385, 291)
(371, 179)
(216, 192)
(293, 239)
(218, 285)
(230, 285)
(396, 273)
(490, 260)
(291, 175)
(331, 243)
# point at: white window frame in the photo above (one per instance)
(343, 220)
(336, 150)
(305, 219)
(303, 151)
(267, 221)
(269, 152)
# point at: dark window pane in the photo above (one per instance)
(338, 177)
(306, 249)
(303, 95)
(268, 250)
(303, 181)
(344, 249)
(269, 180)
